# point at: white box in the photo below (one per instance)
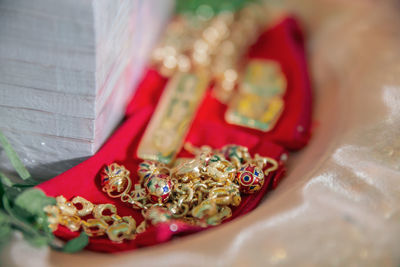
(67, 70)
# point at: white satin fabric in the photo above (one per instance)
(339, 203)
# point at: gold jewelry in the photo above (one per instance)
(172, 118)
(217, 44)
(199, 191)
(259, 102)
(67, 214)
(194, 52)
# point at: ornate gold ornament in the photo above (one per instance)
(199, 191)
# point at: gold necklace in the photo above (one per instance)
(199, 191)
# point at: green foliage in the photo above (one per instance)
(32, 201)
(13, 157)
(21, 208)
(5, 229)
(76, 244)
(217, 6)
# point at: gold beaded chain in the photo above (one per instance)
(94, 220)
(199, 191)
(215, 43)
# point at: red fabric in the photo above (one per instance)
(283, 43)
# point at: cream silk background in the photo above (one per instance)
(339, 204)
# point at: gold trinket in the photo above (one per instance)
(201, 191)
(104, 221)
(170, 123)
(259, 102)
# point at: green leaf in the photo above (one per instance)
(2, 192)
(7, 187)
(32, 234)
(30, 182)
(33, 201)
(5, 180)
(191, 6)
(5, 228)
(25, 185)
(29, 207)
(43, 224)
(25, 214)
(76, 244)
(13, 157)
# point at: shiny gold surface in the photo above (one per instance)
(113, 226)
(199, 191)
(259, 101)
(339, 204)
(173, 116)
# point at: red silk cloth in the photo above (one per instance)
(283, 43)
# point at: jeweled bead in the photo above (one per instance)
(112, 171)
(250, 179)
(150, 167)
(158, 188)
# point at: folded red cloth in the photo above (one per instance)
(282, 43)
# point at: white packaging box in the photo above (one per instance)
(67, 71)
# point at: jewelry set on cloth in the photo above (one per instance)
(200, 191)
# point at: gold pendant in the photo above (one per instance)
(259, 102)
(174, 114)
